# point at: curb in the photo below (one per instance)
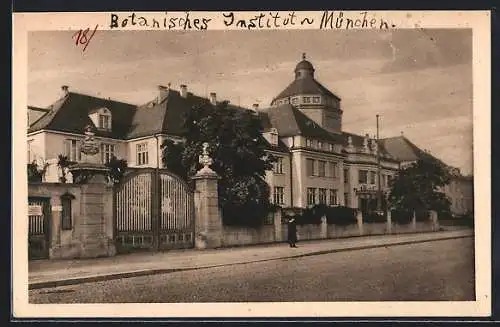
(139, 273)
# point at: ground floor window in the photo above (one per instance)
(322, 195)
(311, 196)
(333, 198)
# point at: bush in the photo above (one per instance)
(422, 215)
(245, 215)
(374, 217)
(311, 215)
(341, 215)
(401, 217)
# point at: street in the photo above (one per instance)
(431, 271)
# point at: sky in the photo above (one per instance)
(418, 80)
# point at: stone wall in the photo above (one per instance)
(91, 233)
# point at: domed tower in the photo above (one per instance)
(312, 98)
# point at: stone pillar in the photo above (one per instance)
(324, 228)
(434, 220)
(414, 222)
(207, 220)
(359, 218)
(55, 227)
(91, 227)
(389, 222)
(277, 226)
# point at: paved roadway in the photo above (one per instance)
(439, 270)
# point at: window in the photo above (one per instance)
(322, 195)
(307, 99)
(72, 150)
(315, 99)
(321, 168)
(104, 121)
(309, 143)
(320, 145)
(310, 167)
(66, 214)
(363, 177)
(142, 154)
(311, 196)
(333, 198)
(295, 100)
(372, 177)
(331, 147)
(346, 176)
(279, 195)
(107, 152)
(273, 136)
(278, 165)
(333, 169)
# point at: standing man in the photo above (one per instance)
(292, 232)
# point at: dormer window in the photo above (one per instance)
(273, 133)
(104, 122)
(101, 118)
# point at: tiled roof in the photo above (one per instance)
(306, 85)
(401, 148)
(166, 117)
(70, 114)
(290, 121)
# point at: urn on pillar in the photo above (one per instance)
(208, 222)
(90, 226)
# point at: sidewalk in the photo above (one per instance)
(51, 273)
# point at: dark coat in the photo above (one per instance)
(292, 231)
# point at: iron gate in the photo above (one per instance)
(38, 227)
(154, 209)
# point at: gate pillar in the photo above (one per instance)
(207, 217)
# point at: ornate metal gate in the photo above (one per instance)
(38, 227)
(154, 209)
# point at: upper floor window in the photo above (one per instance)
(333, 169)
(363, 177)
(107, 152)
(278, 165)
(346, 176)
(320, 145)
(279, 195)
(316, 99)
(310, 167)
(273, 136)
(372, 177)
(321, 168)
(72, 150)
(142, 154)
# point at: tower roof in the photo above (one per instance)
(304, 64)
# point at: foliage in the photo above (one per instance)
(63, 163)
(417, 187)
(237, 148)
(401, 217)
(117, 169)
(374, 217)
(338, 215)
(35, 172)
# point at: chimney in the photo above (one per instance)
(162, 93)
(213, 98)
(64, 90)
(184, 91)
(255, 107)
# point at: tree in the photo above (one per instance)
(116, 169)
(417, 187)
(237, 148)
(63, 163)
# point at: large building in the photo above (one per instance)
(318, 162)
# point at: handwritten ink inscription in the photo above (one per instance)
(82, 37)
(268, 20)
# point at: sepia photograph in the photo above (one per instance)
(250, 166)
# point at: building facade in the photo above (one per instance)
(317, 161)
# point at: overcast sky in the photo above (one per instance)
(419, 81)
